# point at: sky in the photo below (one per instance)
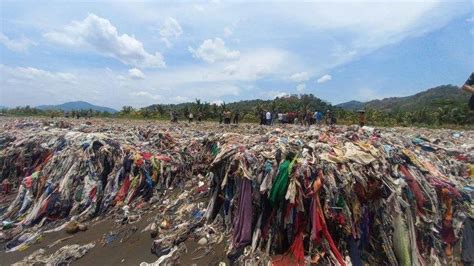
(137, 53)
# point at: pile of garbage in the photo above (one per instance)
(64, 177)
(345, 196)
(290, 195)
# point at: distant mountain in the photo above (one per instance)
(429, 99)
(79, 105)
(352, 105)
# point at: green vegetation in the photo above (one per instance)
(441, 106)
(248, 110)
(31, 111)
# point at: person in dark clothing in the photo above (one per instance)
(468, 86)
(362, 119)
(174, 117)
(328, 117)
(308, 118)
(227, 115)
(236, 117)
(262, 118)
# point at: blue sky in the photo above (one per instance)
(137, 53)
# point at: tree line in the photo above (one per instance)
(441, 114)
(32, 111)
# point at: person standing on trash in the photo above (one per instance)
(268, 117)
(236, 117)
(308, 118)
(362, 119)
(330, 118)
(469, 87)
(190, 117)
(317, 117)
(227, 115)
(173, 117)
(280, 117)
(199, 117)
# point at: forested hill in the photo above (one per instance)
(76, 106)
(289, 103)
(434, 98)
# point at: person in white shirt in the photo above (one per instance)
(280, 118)
(268, 116)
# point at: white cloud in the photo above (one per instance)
(147, 95)
(324, 78)
(180, 99)
(136, 73)
(35, 74)
(249, 67)
(340, 36)
(100, 35)
(170, 30)
(213, 50)
(227, 31)
(18, 45)
(279, 94)
(300, 77)
(301, 87)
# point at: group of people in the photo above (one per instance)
(268, 118)
(227, 116)
(305, 118)
(189, 116)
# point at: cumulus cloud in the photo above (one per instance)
(300, 77)
(301, 87)
(324, 78)
(170, 30)
(17, 45)
(100, 35)
(147, 95)
(34, 86)
(136, 73)
(36, 74)
(213, 50)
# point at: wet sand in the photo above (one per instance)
(131, 251)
